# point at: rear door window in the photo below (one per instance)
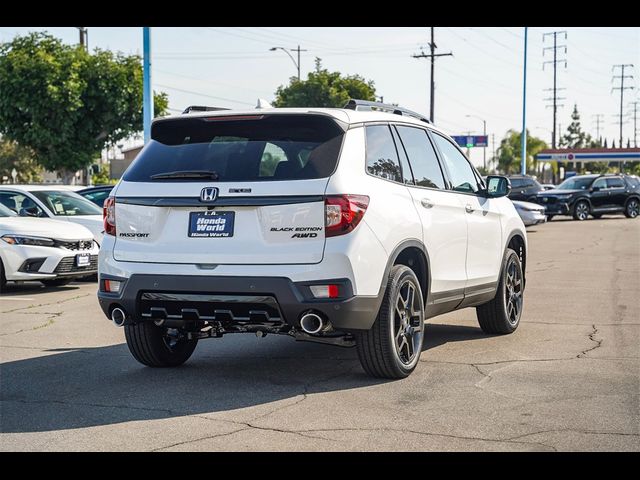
(422, 157)
(244, 148)
(382, 158)
(615, 182)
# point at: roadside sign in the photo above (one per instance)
(470, 141)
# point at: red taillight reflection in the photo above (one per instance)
(343, 213)
(109, 216)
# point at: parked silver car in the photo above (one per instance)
(530, 213)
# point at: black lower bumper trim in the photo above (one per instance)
(139, 292)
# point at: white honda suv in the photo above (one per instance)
(344, 226)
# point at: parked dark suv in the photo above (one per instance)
(524, 187)
(594, 195)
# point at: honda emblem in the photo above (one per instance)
(209, 194)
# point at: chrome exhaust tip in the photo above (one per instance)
(312, 323)
(118, 316)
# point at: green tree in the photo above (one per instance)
(324, 89)
(67, 104)
(510, 152)
(15, 156)
(575, 137)
(102, 177)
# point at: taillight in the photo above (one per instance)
(109, 216)
(343, 213)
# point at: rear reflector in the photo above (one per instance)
(112, 286)
(324, 291)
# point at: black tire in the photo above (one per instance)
(56, 282)
(151, 345)
(3, 278)
(632, 209)
(502, 314)
(596, 215)
(550, 217)
(581, 210)
(392, 347)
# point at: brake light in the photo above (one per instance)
(343, 213)
(109, 216)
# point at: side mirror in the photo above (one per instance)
(497, 186)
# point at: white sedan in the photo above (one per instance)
(530, 213)
(53, 201)
(50, 251)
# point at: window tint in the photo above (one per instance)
(97, 197)
(66, 204)
(422, 157)
(21, 204)
(633, 181)
(382, 158)
(462, 176)
(243, 148)
(600, 183)
(615, 182)
(516, 182)
(407, 175)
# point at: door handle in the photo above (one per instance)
(468, 208)
(426, 203)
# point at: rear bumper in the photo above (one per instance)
(293, 298)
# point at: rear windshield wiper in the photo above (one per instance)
(186, 174)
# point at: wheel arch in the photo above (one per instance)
(517, 242)
(414, 255)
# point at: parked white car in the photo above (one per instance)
(530, 213)
(59, 202)
(347, 226)
(50, 251)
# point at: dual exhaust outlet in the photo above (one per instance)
(310, 322)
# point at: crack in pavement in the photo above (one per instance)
(50, 321)
(45, 304)
(559, 430)
(592, 338)
(158, 449)
(418, 432)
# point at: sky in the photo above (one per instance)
(233, 67)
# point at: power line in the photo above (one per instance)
(432, 56)
(203, 94)
(555, 62)
(622, 88)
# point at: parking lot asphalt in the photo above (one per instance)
(568, 379)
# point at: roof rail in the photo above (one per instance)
(355, 104)
(200, 108)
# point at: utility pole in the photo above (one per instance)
(84, 37)
(598, 120)
(635, 124)
(493, 143)
(555, 88)
(432, 56)
(622, 88)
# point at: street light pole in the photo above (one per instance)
(286, 50)
(147, 92)
(484, 133)
(523, 167)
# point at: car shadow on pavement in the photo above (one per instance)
(34, 288)
(437, 334)
(70, 388)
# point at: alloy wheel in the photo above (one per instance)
(633, 208)
(582, 211)
(513, 292)
(407, 323)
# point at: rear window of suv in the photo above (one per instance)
(243, 148)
